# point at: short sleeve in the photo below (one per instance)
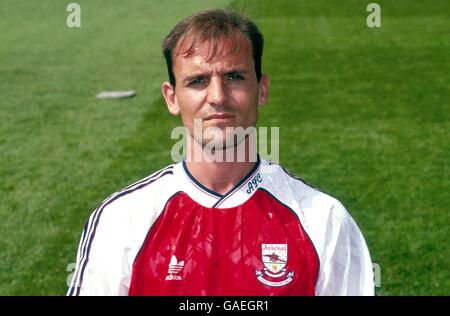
(346, 267)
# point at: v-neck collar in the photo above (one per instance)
(216, 197)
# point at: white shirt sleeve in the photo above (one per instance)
(103, 266)
(346, 266)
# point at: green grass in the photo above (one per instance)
(363, 114)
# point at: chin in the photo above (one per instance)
(224, 142)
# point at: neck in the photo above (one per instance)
(221, 174)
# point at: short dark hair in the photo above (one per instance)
(212, 25)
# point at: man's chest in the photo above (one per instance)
(257, 248)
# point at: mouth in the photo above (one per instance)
(219, 117)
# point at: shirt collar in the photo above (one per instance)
(208, 198)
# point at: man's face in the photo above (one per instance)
(222, 91)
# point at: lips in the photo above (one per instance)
(221, 116)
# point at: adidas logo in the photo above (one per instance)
(175, 268)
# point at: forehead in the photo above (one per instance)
(215, 55)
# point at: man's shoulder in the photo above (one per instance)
(320, 213)
(278, 176)
(296, 191)
(152, 179)
(141, 191)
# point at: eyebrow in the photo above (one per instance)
(193, 76)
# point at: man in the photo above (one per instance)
(211, 227)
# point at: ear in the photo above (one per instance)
(168, 92)
(263, 90)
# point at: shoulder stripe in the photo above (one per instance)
(88, 227)
(299, 179)
(130, 187)
(91, 226)
(148, 178)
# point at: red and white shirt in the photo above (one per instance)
(270, 235)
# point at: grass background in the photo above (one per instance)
(363, 115)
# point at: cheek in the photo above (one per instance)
(248, 103)
(190, 103)
(190, 108)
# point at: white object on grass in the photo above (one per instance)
(116, 94)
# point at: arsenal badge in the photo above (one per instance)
(274, 257)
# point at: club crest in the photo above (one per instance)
(274, 258)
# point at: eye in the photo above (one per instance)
(235, 76)
(199, 81)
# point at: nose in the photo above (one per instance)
(216, 92)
